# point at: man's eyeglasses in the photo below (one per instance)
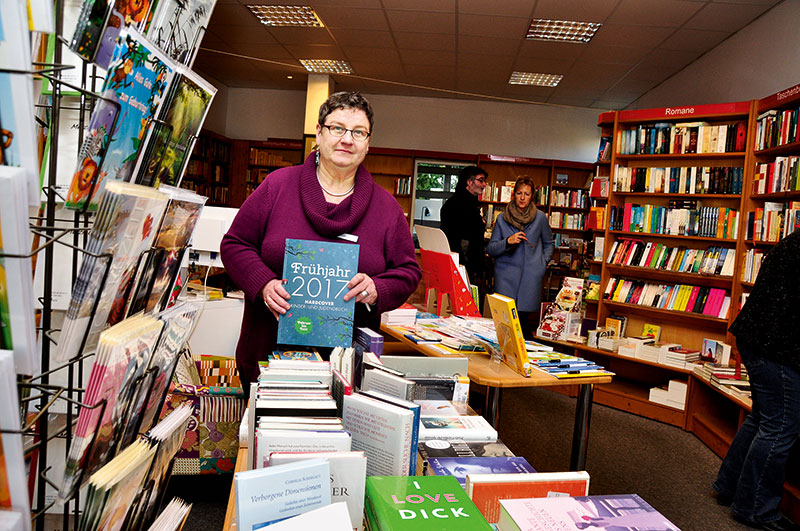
(338, 131)
(481, 180)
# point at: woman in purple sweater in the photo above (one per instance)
(330, 197)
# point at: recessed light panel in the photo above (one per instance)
(295, 16)
(562, 30)
(327, 66)
(533, 78)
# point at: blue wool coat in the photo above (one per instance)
(518, 269)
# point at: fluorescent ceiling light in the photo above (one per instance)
(296, 16)
(532, 78)
(327, 66)
(562, 30)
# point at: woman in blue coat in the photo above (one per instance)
(521, 246)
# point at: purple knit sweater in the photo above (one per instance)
(290, 204)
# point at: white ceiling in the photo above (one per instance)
(468, 48)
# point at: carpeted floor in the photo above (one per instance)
(668, 467)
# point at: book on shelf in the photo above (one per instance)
(486, 490)
(509, 333)
(462, 467)
(132, 93)
(317, 274)
(268, 495)
(383, 431)
(421, 503)
(457, 448)
(348, 473)
(333, 517)
(619, 511)
(470, 428)
(715, 351)
(616, 325)
(18, 132)
(17, 318)
(13, 475)
(651, 330)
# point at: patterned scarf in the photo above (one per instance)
(519, 218)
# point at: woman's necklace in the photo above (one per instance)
(331, 193)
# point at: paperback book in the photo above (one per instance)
(469, 428)
(131, 94)
(17, 318)
(509, 333)
(265, 496)
(620, 512)
(421, 503)
(462, 467)
(317, 274)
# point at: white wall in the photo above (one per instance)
(216, 118)
(759, 60)
(434, 124)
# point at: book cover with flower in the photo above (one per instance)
(317, 274)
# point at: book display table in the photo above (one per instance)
(497, 376)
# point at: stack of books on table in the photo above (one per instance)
(565, 365)
(726, 379)
(404, 315)
(658, 352)
(682, 358)
(673, 394)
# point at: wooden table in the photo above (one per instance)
(498, 376)
(230, 513)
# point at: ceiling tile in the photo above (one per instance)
(647, 72)
(541, 66)
(371, 55)
(570, 102)
(547, 50)
(376, 39)
(639, 36)
(275, 52)
(585, 92)
(488, 45)
(425, 41)
(528, 92)
(731, 17)
(353, 18)
(665, 13)
(235, 14)
(493, 63)
(694, 40)
(424, 58)
(445, 6)
(579, 10)
(244, 34)
(421, 21)
(601, 53)
(632, 85)
(670, 58)
(602, 75)
(509, 8)
(437, 77)
(301, 35)
(611, 105)
(493, 26)
(376, 4)
(385, 71)
(315, 52)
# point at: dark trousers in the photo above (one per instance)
(753, 471)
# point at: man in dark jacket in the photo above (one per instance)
(767, 332)
(462, 222)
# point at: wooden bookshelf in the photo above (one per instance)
(209, 169)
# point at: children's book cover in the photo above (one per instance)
(169, 146)
(178, 27)
(316, 276)
(89, 29)
(124, 13)
(421, 503)
(131, 94)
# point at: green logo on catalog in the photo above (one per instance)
(303, 325)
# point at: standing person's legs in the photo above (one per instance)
(771, 430)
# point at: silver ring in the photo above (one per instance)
(365, 293)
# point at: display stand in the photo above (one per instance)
(440, 273)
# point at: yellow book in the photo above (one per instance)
(509, 333)
(683, 297)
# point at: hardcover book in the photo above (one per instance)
(268, 495)
(456, 448)
(422, 503)
(317, 274)
(472, 428)
(348, 474)
(132, 91)
(509, 333)
(383, 431)
(487, 489)
(461, 467)
(621, 512)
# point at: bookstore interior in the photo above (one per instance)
(132, 132)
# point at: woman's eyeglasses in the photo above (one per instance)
(338, 131)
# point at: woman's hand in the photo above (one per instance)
(516, 238)
(275, 297)
(362, 287)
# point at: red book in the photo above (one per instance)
(626, 217)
